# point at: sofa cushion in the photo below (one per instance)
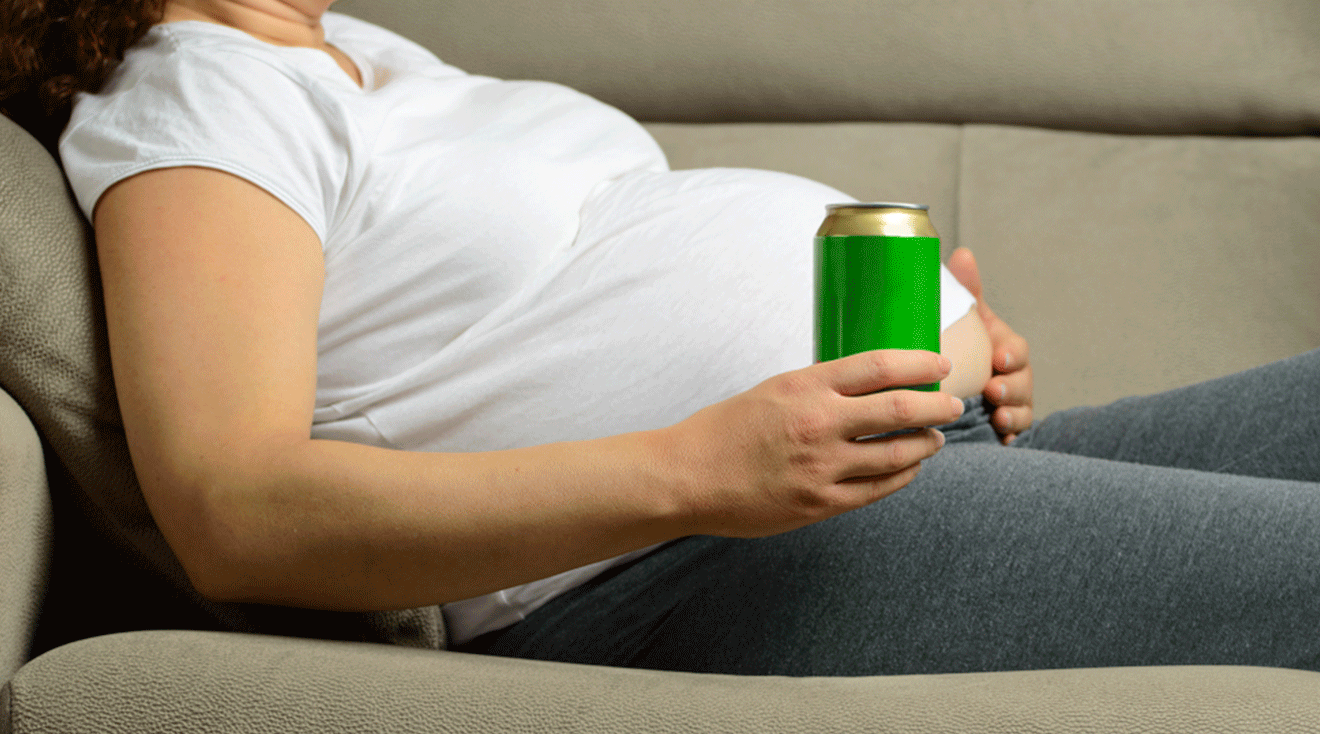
(1193, 66)
(206, 682)
(1132, 264)
(54, 361)
(25, 526)
(1166, 260)
(867, 161)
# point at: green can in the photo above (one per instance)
(877, 281)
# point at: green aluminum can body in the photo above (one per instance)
(877, 281)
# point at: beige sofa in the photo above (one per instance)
(1139, 181)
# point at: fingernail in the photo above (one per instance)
(1003, 392)
(1008, 361)
(1008, 421)
(957, 404)
(939, 438)
(945, 364)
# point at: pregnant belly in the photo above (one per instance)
(967, 345)
(682, 289)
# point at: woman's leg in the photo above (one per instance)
(1263, 422)
(990, 560)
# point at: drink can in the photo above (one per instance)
(877, 281)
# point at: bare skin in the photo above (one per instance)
(213, 289)
(1011, 387)
(281, 22)
(298, 23)
(967, 344)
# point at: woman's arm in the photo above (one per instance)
(212, 289)
(967, 344)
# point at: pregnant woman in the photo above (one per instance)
(386, 334)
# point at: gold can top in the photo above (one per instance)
(877, 219)
(877, 205)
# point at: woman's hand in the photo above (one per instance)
(1011, 386)
(783, 454)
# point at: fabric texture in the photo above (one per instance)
(25, 526)
(507, 263)
(54, 362)
(186, 682)
(1174, 529)
(1191, 66)
(1183, 258)
(1166, 67)
(891, 162)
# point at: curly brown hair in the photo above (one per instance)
(52, 49)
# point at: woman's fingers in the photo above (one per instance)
(1011, 388)
(881, 458)
(1012, 393)
(867, 409)
(963, 266)
(1012, 419)
(1011, 352)
(868, 372)
(893, 410)
(871, 489)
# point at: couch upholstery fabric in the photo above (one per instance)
(1113, 65)
(54, 361)
(1169, 259)
(1132, 263)
(1117, 224)
(181, 682)
(25, 527)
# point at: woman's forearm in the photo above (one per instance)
(344, 526)
(337, 525)
(213, 289)
(967, 344)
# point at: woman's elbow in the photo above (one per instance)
(217, 582)
(208, 538)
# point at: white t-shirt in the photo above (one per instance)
(508, 263)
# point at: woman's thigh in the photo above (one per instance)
(1262, 422)
(992, 559)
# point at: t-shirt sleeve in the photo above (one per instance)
(955, 300)
(213, 108)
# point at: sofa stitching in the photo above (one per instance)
(6, 710)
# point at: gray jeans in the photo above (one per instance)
(1177, 528)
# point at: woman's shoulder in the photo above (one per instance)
(193, 94)
(180, 79)
(195, 57)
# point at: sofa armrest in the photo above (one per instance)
(25, 533)
(171, 681)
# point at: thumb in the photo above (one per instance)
(963, 266)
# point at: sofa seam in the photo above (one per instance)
(958, 187)
(6, 708)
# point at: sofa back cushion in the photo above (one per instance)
(1172, 66)
(54, 361)
(25, 526)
